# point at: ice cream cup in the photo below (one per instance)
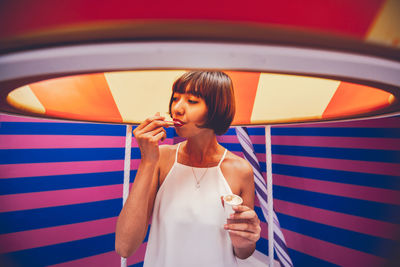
(230, 201)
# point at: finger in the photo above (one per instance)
(155, 124)
(246, 235)
(241, 227)
(247, 215)
(164, 135)
(240, 208)
(148, 121)
(159, 136)
(153, 133)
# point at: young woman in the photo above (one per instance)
(181, 185)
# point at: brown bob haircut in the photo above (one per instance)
(216, 88)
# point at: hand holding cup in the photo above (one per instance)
(242, 224)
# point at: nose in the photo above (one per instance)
(178, 107)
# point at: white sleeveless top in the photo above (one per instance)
(187, 227)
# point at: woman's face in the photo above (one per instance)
(190, 111)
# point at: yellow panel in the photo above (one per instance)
(386, 27)
(291, 98)
(140, 94)
(24, 99)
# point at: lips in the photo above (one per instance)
(178, 123)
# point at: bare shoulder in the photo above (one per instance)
(165, 150)
(238, 165)
(237, 171)
(167, 159)
(167, 153)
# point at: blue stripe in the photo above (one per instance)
(59, 182)
(54, 216)
(69, 251)
(357, 207)
(251, 130)
(260, 214)
(57, 128)
(262, 245)
(67, 128)
(18, 156)
(378, 155)
(303, 260)
(263, 166)
(362, 242)
(238, 148)
(345, 177)
(139, 264)
(337, 131)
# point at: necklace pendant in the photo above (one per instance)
(197, 185)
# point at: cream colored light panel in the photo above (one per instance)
(386, 27)
(140, 94)
(24, 99)
(291, 97)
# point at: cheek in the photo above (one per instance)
(201, 115)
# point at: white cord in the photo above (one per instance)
(127, 162)
(270, 206)
(127, 170)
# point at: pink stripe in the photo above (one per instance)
(55, 235)
(65, 141)
(101, 260)
(12, 118)
(390, 122)
(178, 139)
(345, 142)
(330, 252)
(339, 164)
(255, 139)
(106, 259)
(260, 156)
(138, 256)
(61, 168)
(339, 189)
(58, 197)
(264, 230)
(337, 219)
(59, 141)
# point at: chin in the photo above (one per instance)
(179, 132)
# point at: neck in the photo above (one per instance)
(202, 150)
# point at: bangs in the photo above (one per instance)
(189, 85)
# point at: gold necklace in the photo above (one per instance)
(198, 180)
(194, 175)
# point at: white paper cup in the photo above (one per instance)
(230, 201)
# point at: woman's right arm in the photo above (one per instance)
(133, 220)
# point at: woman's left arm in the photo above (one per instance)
(244, 225)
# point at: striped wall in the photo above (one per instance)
(337, 194)
(336, 190)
